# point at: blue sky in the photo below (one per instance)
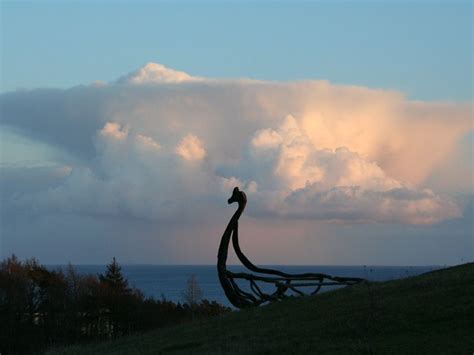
(423, 49)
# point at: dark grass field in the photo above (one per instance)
(428, 314)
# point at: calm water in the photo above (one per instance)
(170, 280)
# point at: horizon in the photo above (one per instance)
(213, 265)
(461, 262)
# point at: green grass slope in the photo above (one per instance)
(428, 314)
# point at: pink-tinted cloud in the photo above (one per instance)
(310, 150)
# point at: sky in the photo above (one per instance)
(125, 126)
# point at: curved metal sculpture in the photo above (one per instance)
(284, 283)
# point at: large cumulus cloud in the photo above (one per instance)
(159, 142)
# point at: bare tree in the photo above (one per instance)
(192, 293)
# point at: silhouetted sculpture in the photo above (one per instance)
(283, 281)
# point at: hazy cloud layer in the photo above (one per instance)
(158, 143)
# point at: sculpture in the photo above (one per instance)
(282, 281)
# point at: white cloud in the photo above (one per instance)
(190, 148)
(338, 184)
(299, 162)
(356, 204)
(154, 73)
(114, 130)
(147, 143)
(301, 150)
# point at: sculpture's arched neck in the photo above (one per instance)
(225, 240)
(240, 209)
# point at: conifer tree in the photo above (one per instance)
(113, 277)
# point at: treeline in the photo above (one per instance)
(40, 308)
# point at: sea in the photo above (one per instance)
(169, 281)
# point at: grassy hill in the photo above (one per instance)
(432, 313)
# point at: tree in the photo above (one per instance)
(113, 277)
(193, 293)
